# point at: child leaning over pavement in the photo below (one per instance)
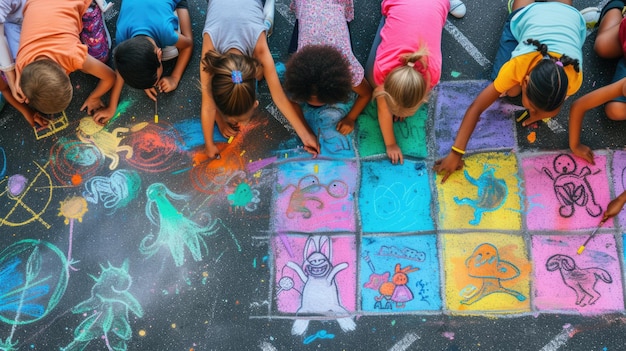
(540, 56)
(11, 18)
(610, 43)
(316, 74)
(233, 40)
(147, 35)
(46, 57)
(404, 63)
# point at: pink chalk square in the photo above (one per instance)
(314, 274)
(315, 196)
(589, 283)
(619, 179)
(564, 192)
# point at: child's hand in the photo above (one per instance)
(345, 126)
(35, 119)
(225, 128)
(167, 84)
(151, 92)
(584, 152)
(395, 154)
(614, 207)
(448, 165)
(103, 115)
(91, 105)
(311, 144)
(211, 150)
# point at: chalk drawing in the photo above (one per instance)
(398, 198)
(154, 147)
(566, 192)
(492, 193)
(582, 280)
(33, 279)
(108, 143)
(245, 196)
(115, 191)
(107, 311)
(27, 200)
(485, 263)
(571, 186)
(381, 254)
(410, 133)
(590, 283)
(323, 121)
(70, 157)
(320, 292)
(72, 208)
(309, 201)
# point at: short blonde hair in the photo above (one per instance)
(405, 89)
(46, 86)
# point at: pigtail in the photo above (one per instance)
(548, 83)
(417, 56)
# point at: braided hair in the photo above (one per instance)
(547, 85)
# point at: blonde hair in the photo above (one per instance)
(46, 86)
(233, 82)
(405, 89)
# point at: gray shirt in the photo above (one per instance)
(234, 24)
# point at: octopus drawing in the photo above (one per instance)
(175, 230)
(309, 194)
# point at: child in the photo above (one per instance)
(315, 73)
(46, 57)
(405, 61)
(236, 28)
(540, 56)
(147, 34)
(10, 27)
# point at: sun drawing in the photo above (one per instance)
(73, 208)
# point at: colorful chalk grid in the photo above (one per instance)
(315, 196)
(589, 283)
(495, 129)
(314, 274)
(564, 192)
(619, 179)
(484, 195)
(399, 274)
(396, 198)
(410, 133)
(323, 121)
(486, 272)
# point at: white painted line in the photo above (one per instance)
(559, 340)
(466, 44)
(405, 342)
(282, 7)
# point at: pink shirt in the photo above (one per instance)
(410, 24)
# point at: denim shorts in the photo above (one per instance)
(508, 43)
(620, 72)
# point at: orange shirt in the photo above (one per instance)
(52, 29)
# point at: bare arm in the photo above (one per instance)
(107, 80)
(581, 106)
(262, 53)
(385, 121)
(185, 50)
(453, 162)
(103, 115)
(364, 95)
(208, 110)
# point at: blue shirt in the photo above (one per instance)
(153, 18)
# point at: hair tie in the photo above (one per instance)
(410, 64)
(559, 63)
(236, 77)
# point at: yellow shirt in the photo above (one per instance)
(513, 72)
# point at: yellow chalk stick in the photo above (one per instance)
(522, 116)
(581, 249)
(156, 118)
(230, 140)
(316, 168)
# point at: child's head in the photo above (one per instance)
(545, 88)
(138, 61)
(406, 89)
(318, 75)
(233, 84)
(46, 86)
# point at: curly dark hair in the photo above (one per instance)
(318, 70)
